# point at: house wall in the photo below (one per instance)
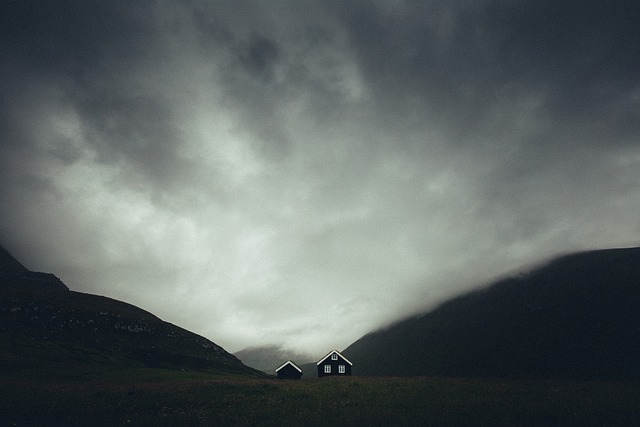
(289, 373)
(334, 367)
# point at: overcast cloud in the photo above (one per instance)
(300, 173)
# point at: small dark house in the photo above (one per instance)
(334, 364)
(289, 371)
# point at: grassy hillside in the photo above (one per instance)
(173, 398)
(576, 317)
(47, 328)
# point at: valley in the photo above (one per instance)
(499, 356)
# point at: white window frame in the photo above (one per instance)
(334, 356)
(327, 369)
(342, 369)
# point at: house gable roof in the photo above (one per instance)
(289, 362)
(336, 352)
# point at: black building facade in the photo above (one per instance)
(334, 364)
(289, 371)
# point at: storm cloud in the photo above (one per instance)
(300, 173)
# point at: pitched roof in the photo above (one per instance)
(289, 362)
(332, 352)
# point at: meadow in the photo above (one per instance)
(184, 398)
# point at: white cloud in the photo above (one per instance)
(302, 176)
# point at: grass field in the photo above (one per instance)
(166, 398)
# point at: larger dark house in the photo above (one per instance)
(334, 364)
(289, 371)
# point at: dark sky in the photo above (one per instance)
(300, 173)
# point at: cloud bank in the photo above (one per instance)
(300, 173)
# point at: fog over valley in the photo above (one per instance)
(298, 174)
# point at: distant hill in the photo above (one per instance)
(310, 370)
(45, 325)
(577, 317)
(269, 358)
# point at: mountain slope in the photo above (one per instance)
(8, 264)
(576, 317)
(42, 322)
(269, 358)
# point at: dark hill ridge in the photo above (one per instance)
(43, 322)
(14, 275)
(576, 317)
(8, 263)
